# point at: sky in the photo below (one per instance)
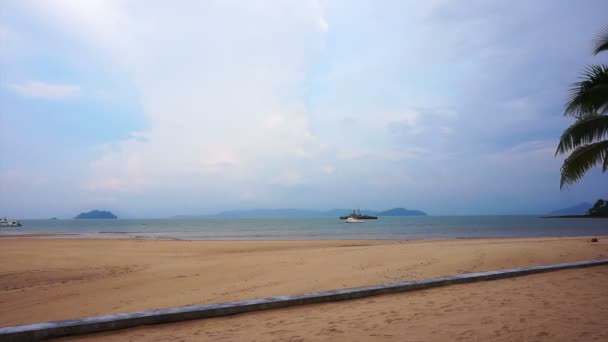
(160, 108)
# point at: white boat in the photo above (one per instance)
(9, 223)
(353, 220)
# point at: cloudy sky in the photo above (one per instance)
(158, 108)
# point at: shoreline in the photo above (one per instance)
(124, 236)
(410, 228)
(576, 216)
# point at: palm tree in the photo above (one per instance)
(586, 139)
(601, 44)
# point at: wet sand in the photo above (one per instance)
(50, 279)
(35, 235)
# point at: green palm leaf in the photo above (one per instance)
(590, 95)
(601, 43)
(583, 131)
(583, 159)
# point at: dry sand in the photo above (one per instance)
(570, 305)
(51, 279)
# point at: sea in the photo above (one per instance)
(407, 227)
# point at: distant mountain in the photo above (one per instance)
(188, 216)
(257, 213)
(401, 212)
(343, 212)
(96, 214)
(253, 213)
(579, 209)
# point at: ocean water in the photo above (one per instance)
(429, 227)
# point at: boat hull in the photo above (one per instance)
(359, 217)
(8, 224)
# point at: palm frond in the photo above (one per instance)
(582, 132)
(583, 159)
(590, 95)
(601, 42)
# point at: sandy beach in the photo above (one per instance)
(51, 279)
(570, 305)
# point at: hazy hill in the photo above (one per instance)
(256, 213)
(401, 212)
(253, 213)
(579, 209)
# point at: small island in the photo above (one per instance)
(96, 214)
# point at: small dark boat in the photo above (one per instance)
(356, 214)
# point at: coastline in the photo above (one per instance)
(428, 227)
(576, 216)
(148, 236)
(54, 278)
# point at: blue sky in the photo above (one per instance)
(155, 108)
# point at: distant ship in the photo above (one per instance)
(356, 214)
(9, 223)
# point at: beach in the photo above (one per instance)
(569, 305)
(45, 279)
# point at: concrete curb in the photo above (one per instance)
(55, 329)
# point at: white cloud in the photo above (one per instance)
(6, 36)
(329, 169)
(247, 101)
(289, 178)
(21, 177)
(46, 90)
(446, 130)
(322, 25)
(220, 84)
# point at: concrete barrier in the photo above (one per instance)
(40, 331)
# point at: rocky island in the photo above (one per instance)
(96, 214)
